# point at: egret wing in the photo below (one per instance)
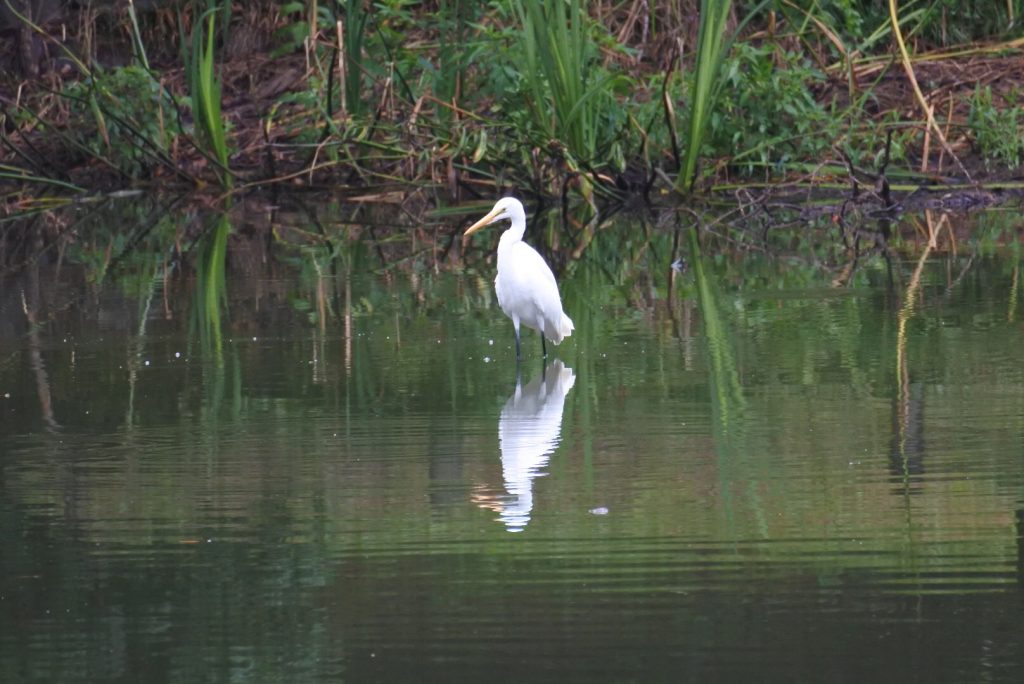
(527, 290)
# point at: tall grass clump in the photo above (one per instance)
(205, 89)
(712, 47)
(353, 35)
(570, 96)
(713, 44)
(455, 52)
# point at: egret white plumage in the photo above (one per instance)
(529, 430)
(526, 287)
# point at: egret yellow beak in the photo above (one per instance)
(491, 216)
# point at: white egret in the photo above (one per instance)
(526, 287)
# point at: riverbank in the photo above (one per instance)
(467, 102)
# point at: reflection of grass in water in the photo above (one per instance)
(727, 402)
(401, 380)
(211, 288)
(208, 313)
(726, 390)
(1011, 312)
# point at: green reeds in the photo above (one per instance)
(455, 19)
(205, 89)
(567, 102)
(140, 48)
(352, 35)
(712, 47)
(16, 174)
(713, 44)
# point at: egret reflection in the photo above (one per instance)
(529, 430)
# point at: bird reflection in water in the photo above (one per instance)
(529, 430)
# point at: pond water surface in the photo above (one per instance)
(326, 470)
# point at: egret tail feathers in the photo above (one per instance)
(565, 328)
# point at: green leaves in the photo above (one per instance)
(205, 88)
(569, 95)
(712, 47)
(765, 114)
(124, 117)
(997, 130)
(354, 28)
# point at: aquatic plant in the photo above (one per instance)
(569, 94)
(205, 88)
(713, 44)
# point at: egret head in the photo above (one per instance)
(505, 208)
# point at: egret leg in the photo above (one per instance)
(543, 345)
(519, 354)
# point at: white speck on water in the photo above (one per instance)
(146, 362)
(487, 359)
(177, 355)
(7, 395)
(490, 342)
(600, 510)
(254, 338)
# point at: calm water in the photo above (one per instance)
(327, 471)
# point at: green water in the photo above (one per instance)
(285, 460)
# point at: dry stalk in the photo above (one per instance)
(949, 123)
(928, 110)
